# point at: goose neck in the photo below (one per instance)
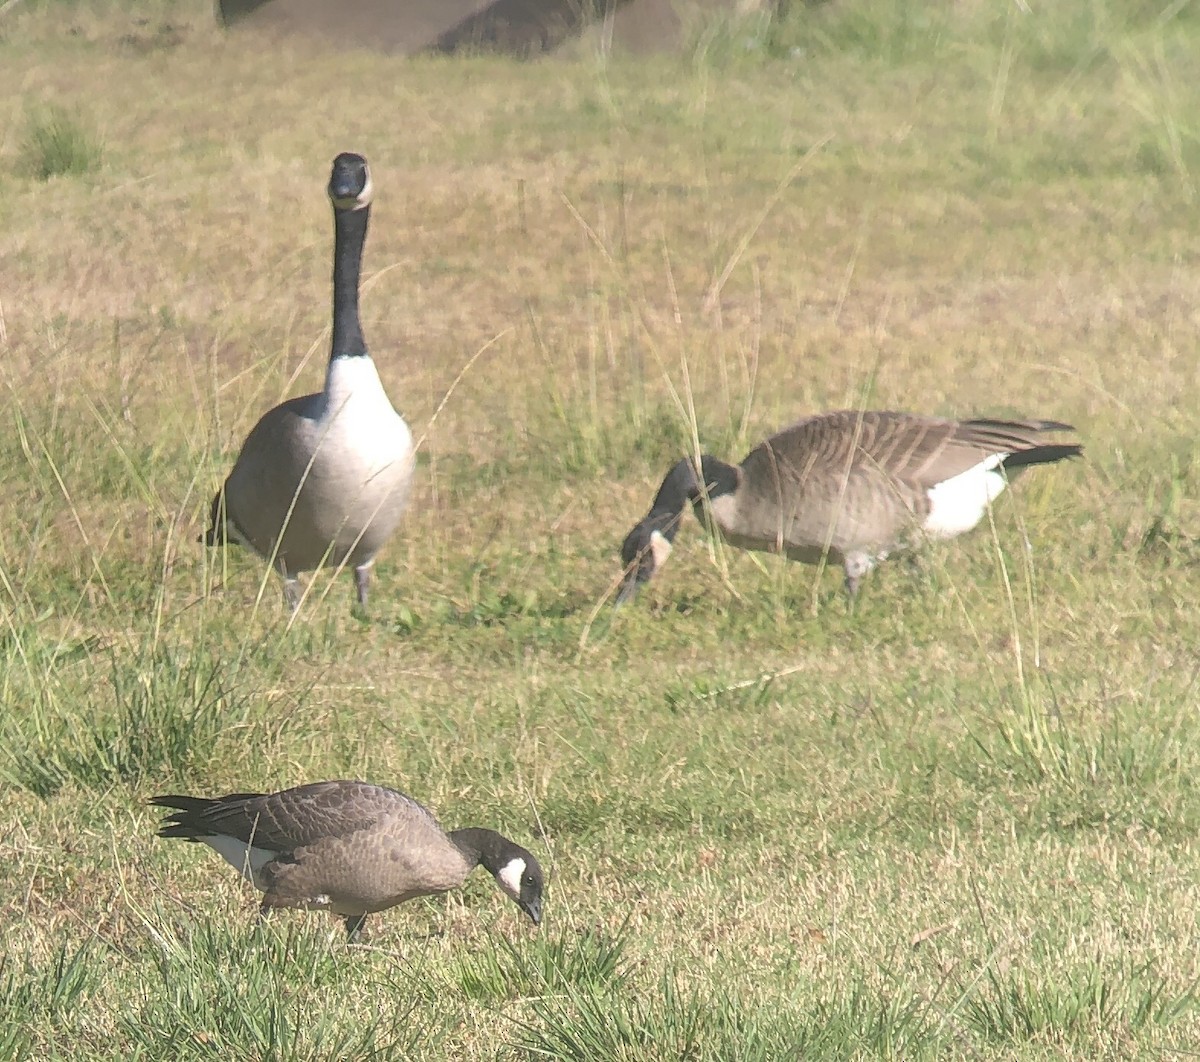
(720, 478)
(677, 488)
(350, 233)
(479, 845)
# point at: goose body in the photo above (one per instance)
(323, 479)
(849, 486)
(348, 847)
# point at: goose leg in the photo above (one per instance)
(857, 565)
(291, 592)
(291, 585)
(354, 924)
(362, 579)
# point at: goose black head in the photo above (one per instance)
(647, 547)
(350, 185)
(520, 877)
(645, 550)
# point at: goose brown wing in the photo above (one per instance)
(903, 447)
(293, 818)
(972, 441)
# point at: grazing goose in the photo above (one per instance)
(849, 485)
(322, 480)
(347, 847)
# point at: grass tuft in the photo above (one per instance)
(547, 964)
(1016, 1007)
(675, 1019)
(59, 142)
(162, 716)
(263, 995)
(49, 990)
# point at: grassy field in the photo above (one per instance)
(959, 821)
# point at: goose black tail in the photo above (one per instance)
(183, 822)
(1042, 455)
(219, 524)
(187, 820)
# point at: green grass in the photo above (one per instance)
(957, 820)
(58, 142)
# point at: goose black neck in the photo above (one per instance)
(720, 477)
(681, 485)
(350, 233)
(479, 845)
(677, 489)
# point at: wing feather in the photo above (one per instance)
(292, 818)
(907, 448)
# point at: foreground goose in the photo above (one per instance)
(850, 486)
(322, 480)
(348, 847)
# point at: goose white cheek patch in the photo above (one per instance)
(510, 876)
(660, 550)
(366, 195)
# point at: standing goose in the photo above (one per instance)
(323, 479)
(348, 847)
(852, 486)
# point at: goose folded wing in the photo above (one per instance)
(299, 817)
(926, 451)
